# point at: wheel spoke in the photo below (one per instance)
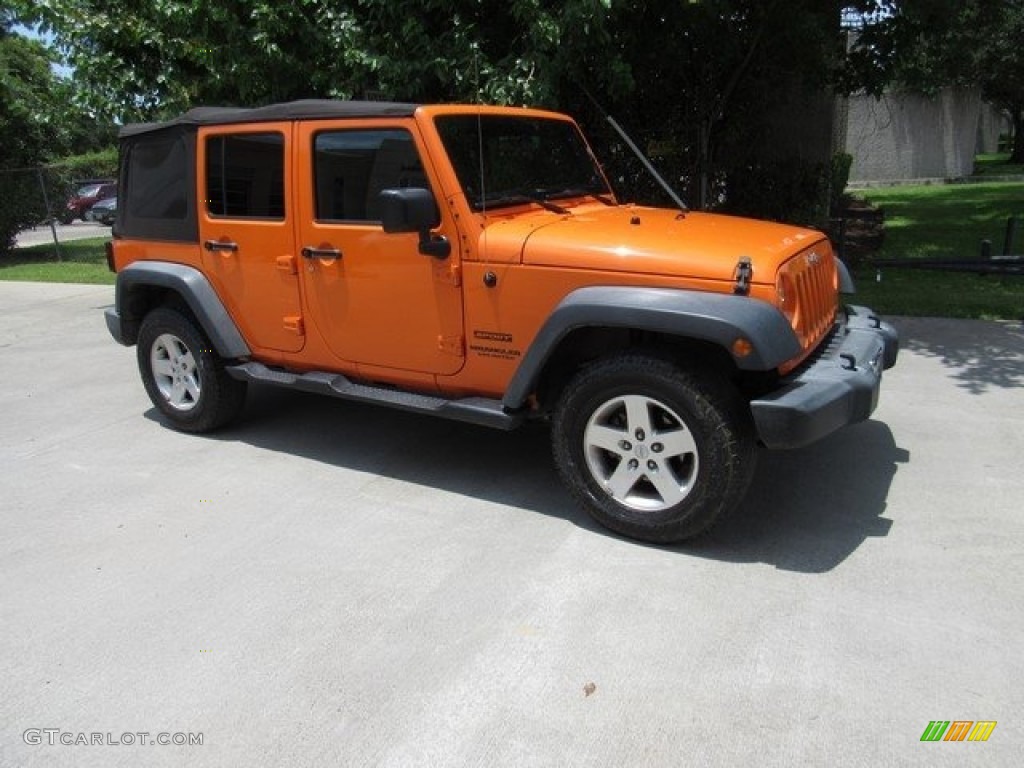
(638, 415)
(622, 480)
(599, 436)
(171, 345)
(666, 485)
(679, 442)
(162, 367)
(178, 393)
(191, 386)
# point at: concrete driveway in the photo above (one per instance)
(340, 585)
(76, 230)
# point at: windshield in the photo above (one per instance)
(524, 159)
(90, 190)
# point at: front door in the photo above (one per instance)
(374, 298)
(247, 232)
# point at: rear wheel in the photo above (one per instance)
(184, 377)
(650, 450)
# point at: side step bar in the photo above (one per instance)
(481, 411)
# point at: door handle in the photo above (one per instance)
(320, 253)
(220, 245)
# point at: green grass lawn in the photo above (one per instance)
(926, 293)
(947, 219)
(937, 221)
(82, 261)
(996, 164)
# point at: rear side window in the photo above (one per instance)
(157, 182)
(350, 168)
(245, 176)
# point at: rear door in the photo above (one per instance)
(246, 230)
(375, 299)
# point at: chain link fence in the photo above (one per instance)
(37, 196)
(31, 198)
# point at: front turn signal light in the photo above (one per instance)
(742, 347)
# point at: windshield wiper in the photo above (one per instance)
(581, 192)
(523, 197)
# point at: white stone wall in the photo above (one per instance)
(906, 135)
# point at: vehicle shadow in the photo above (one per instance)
(807, 510)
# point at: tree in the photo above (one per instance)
(151, 59)
(27, 130)
(928, 44)
(697, 81)
(40, 125)
(1000, 67)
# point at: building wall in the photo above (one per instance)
(906, 135)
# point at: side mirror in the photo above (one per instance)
(412, 209)
(407, 210)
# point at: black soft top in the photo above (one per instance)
(305, 109)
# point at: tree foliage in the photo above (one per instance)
(158, 57)
(699, 82)
(695, 79)
(928, 44)
(28, 130)
(40, 124)
(1000, 66)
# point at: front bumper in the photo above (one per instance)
(839, 387)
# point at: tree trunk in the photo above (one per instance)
(1018, 135)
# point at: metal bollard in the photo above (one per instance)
(1011, 235)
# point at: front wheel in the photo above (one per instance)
(650, 450)
(183, 375)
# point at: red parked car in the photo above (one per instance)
(86, 196)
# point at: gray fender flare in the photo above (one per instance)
(194, 289)
(712, 317)
(846, 284)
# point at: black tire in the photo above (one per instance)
(674, 474)
(183, 375)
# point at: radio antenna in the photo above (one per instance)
(480, 151)
(479, 130)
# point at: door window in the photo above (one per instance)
(350, 168)
(245, 176)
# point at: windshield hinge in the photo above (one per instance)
(743, 275)
(447, 272)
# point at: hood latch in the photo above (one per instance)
(744, 273)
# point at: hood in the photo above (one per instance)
(650, 240)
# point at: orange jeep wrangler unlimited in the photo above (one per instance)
(473, 263)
